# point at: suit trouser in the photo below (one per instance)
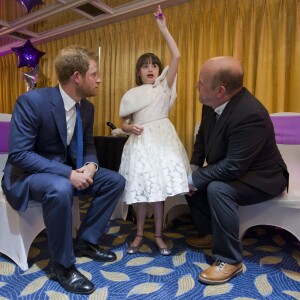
(215, 211)
(56, 195)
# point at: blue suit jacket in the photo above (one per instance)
(38, 142)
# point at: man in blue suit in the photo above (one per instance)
(236, 162)
(42, 165)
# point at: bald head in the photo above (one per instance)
(220, 79)
(224, 70)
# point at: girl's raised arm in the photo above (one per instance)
(175, 54)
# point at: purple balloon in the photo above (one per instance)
(28, 56)
(29, 4)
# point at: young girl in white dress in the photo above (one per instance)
(154, 161)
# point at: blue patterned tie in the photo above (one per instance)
(79, 162)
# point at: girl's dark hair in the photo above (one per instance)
(146, 58)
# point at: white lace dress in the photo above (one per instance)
(154, 164)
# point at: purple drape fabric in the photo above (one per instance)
(287, 129)
(4, 136)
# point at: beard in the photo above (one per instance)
(87, 91)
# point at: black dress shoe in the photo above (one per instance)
(71, 279)
(83, 248)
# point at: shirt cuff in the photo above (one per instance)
(190, 180)
(97, 167)
(194, 167)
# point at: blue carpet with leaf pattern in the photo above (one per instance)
(271, 268)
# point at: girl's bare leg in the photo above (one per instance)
(140, 210)
(158, 221)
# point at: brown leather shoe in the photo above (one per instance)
(220, 273)
(202, 242)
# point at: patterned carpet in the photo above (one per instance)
(271, 268)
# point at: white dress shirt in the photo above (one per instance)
(70, 109)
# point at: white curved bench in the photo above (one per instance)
(19, 229)
(284, 210)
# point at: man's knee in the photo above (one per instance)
(59, 194)
(218, 191)
(61, 188)
(214, 187)
(111, 178)
(117, 180)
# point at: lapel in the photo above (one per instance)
(223, 119)
(83, 111)
(208, 136)
(58, 111)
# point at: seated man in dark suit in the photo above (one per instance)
(243, 165)
(52, 155)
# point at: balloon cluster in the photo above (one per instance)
(28, 56)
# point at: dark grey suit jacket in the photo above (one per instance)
(241, 147)
(38, 142)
